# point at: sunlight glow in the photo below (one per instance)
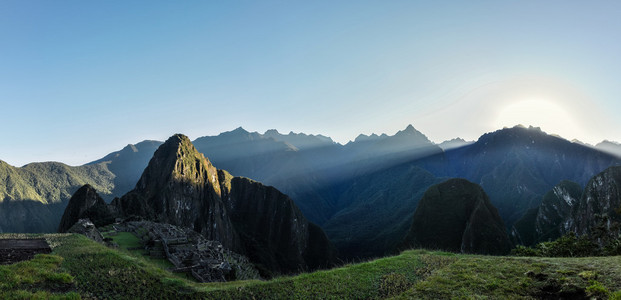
(551, 117)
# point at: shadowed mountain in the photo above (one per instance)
(372, 153)
(375, 211)
(457, 216)
(596, 211)
(180, 186)
(377, 177)
(85, 203)
(301, 141)
(517, 166)
(127, 165)
(454, 143)
(313, 170)
(600, 203)
(548, 221)
(610, 147)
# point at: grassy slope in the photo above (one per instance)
(94, 270)
(51, 182)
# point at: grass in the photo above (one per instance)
(129, 242)
(39, 278)
(94, 271)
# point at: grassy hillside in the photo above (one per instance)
(81, 268)
(51, 182)
(33, 197)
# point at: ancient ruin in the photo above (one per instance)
(15, 250)
(188, 251)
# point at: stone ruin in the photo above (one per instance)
(190, 252)
(16, 250)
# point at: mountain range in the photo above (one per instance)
(363, 194)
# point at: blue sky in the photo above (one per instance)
(79, 79)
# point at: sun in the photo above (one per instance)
(551, 117)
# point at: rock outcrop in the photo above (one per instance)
(88, 229)
(457, 216)
(552, 219)
(595, 212)
(600, 203)
(85, 204)
(274, 231)
(180, 186)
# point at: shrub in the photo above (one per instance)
(566, 246)
(521, 250)
(597, 290)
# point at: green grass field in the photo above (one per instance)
(79, 267)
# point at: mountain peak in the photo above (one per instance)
(177, 139)
(240, 129)
(271, 132)
(178, 159)
(409, 130)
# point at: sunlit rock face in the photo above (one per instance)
(601, 202)
(180, 186)
(457, 216)
(552, 219)
(566, 208)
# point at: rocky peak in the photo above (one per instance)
(177, 159)
(552, 218)
(456, 215)
(85, 203)
(601, 200)
(180, 187)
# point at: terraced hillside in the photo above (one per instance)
(80, 268)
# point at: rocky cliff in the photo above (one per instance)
(274, 231)
(595, 212)
(457, 216)
(85, 204)
(551, 219)
(601, 202)
(180, 186)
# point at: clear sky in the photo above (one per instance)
(80, 79)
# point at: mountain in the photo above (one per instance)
(549, 220)
(517, 166)
(375, 211)
(33, 197)
(127, 165)
(338, 187)
(454, 143)
(595, 212)
(180, 186)
(342, 187)
(85, 204)
(457, 216)
(301, 141)
(273, 230)
(610, 147)
(600, 203)
(376, 152)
